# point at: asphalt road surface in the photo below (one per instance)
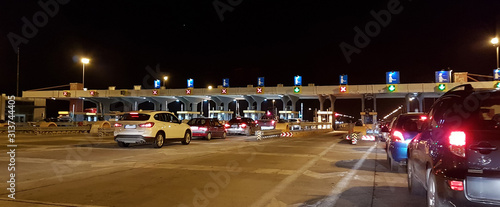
(320, 170)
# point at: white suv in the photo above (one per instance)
(150, 127)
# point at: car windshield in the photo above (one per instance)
(135, 117)
(197, 122)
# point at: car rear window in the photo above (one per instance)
(242, 120)
(135, 117)
(488, 115)
(411, 123)
(197, 122)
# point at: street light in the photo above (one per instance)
(209, 87)
(165, 78)
(84, 61)
(494, 41)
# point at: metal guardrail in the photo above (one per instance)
(48, 130)
(101, 132)
(262, 134)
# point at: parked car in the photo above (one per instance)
(405, 127)
(456, 158)
(154, 127)
(266, 122)
(241, 125)
(207, 128)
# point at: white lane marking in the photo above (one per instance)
(268, 197)
(339, 188)
(33, 202)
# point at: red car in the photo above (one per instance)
(207, 127)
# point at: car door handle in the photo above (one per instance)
(484, 147)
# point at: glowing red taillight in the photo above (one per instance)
(203, 128)
(243, 125)
(272, 122)
(227, 125)
(456, 185)
(118, 125)
(397, 136)
(147, 125)
(457, 140)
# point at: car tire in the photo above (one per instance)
(159, 140)
(187, 138)
(209, 136)
(224, 134)
(415, 187)
(432, 195)
(123, 144)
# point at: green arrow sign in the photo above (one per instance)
(442, 87)
(391, 88)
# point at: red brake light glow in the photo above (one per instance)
(227, 125)
(272, 122)
(203, 128)
(256, 121)
(243, 125)
(423, 118)
(147, 125)
(456, 185)
(457, 140)
(398, 136)
(118, 125)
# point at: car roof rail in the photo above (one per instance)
(466, 87)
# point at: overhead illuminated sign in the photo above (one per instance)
(66, 93)
(392, 77)
(343, 80)
(392, 88)
(155, 92)
(496, 74)
(225, 82)
(157, 84)
(260, 81)
(441, 87)
(260, 90)
(297, 80)
(93, 93)
(297, 89)
(223, 91)
(343, 89)
(443, 76)
(188, 91)
(190, 83)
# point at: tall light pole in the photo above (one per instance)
(165, 78)
(494, 41)
(84, 61)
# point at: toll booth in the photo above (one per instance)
(288, 115)
(221, 115)
(325, 116)
(188, 115)
(254, 114)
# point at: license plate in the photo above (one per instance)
(130, 126)
(234, 126)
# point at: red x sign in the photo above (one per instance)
(155, 92)
(188, 91)
(343, 89)
(65, 93)
(223, 91)
(259, 90)
(92, 93)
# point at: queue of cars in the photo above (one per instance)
(452, 153)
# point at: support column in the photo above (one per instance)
(363, 109)
(259, 101)
(332, 101)
(250, 102)
(420, 99)
(3, 98)
(321, 102)
(285, 100)
(407, 100)
(294, 100)
(374, 102)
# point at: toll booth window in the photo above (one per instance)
(135, 117)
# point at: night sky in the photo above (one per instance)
(274, 39)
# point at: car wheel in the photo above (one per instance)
(224, 135)
(123, 144)
(433, 199)
(415, 187)
(187, 138)
(159, 139)
(209, 136)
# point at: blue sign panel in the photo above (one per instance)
(496, 74)
(157, 83)
(343, 80)
(297, 80)
(190, 83)
(260, 81)
(225, 82)
(392, 77)
(443, 76)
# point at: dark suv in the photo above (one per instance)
(456, 156)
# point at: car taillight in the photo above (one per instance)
(227, 125)
(272, 122)
(194, 127)
(243, 125)
(147, 125)
(397, 136)
(118, 125)
(456, 185)
(256, 122)
(457, 143)
(202, 128)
